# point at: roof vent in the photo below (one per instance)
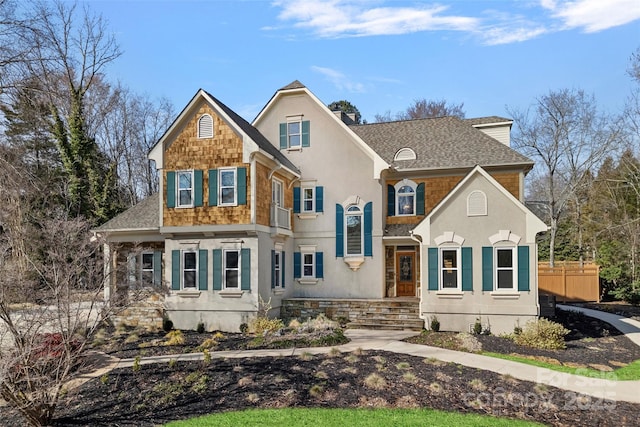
(405, 154)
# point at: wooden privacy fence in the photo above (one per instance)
(569, 281)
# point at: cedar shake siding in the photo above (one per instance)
(188, 152)
(436, 189)
(263, 193)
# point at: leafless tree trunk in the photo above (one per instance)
(567, 137)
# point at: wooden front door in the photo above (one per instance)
(405, 274)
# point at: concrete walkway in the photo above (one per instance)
(601, 388)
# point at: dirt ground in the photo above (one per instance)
(155, 394)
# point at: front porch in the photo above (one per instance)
(389, 313)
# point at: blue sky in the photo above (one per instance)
(379, 55)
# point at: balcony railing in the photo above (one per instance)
(280, 217)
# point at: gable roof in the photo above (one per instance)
(534, 225)
(439, 143)
(145, 215)
(296, 87)
(244, 127)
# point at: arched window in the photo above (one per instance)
(406, 203)
(205, 126)
(354, 231)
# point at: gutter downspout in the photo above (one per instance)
(418, 240)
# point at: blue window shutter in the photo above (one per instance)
(523, 268)
(175, 270)
(420, 199)
(319, 199)
(282, 269)
(319, 265)
(296, 200)
(170, 185)
(157, 268)
(339, 231)
(203, 270)
(391, 200)
(432, 254)
(487, 268)
(197, 188)
(467, 269)
(297, 265)
(245, 269)
(273, 269)
(216, 261)
(283, 136)
(305, 133)
(241, 176)
(368, 229)
(213, 187)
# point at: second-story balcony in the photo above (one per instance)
(280, 217)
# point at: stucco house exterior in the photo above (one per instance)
(384, 224)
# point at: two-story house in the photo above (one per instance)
(307, 210)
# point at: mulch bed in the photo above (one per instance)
(156, 394)
(590, 344)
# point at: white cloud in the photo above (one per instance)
(358, 18)
(594, 15)
(336, 18)
(339, 80)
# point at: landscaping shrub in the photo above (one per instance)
(542, 334)
(629, 292)
(200, 328)
(167, 324)
(261, 325)
(174, 338)
(435, 324)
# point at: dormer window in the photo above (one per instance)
(205, 126)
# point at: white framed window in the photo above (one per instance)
(189, 269)
(294, 134)
(227, 191)
(231, 270)
(277, 269)
(308, 199)
(205, 126)
(308, 265)
(184, 189)
(277, 193)
(147, 268)
(450, 271)
(354, 230)
(406, 196)
(505, 265)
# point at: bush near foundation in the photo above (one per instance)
(542, 334)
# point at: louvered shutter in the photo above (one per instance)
(487, 268)
(170, 185)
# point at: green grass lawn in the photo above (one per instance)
(631, 372)
(308, 417)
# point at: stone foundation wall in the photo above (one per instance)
(145, 312)
(348, 310)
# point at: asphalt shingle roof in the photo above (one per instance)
(439, 143)
(143, 216)
(487, 120)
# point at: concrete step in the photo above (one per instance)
(413, 325)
